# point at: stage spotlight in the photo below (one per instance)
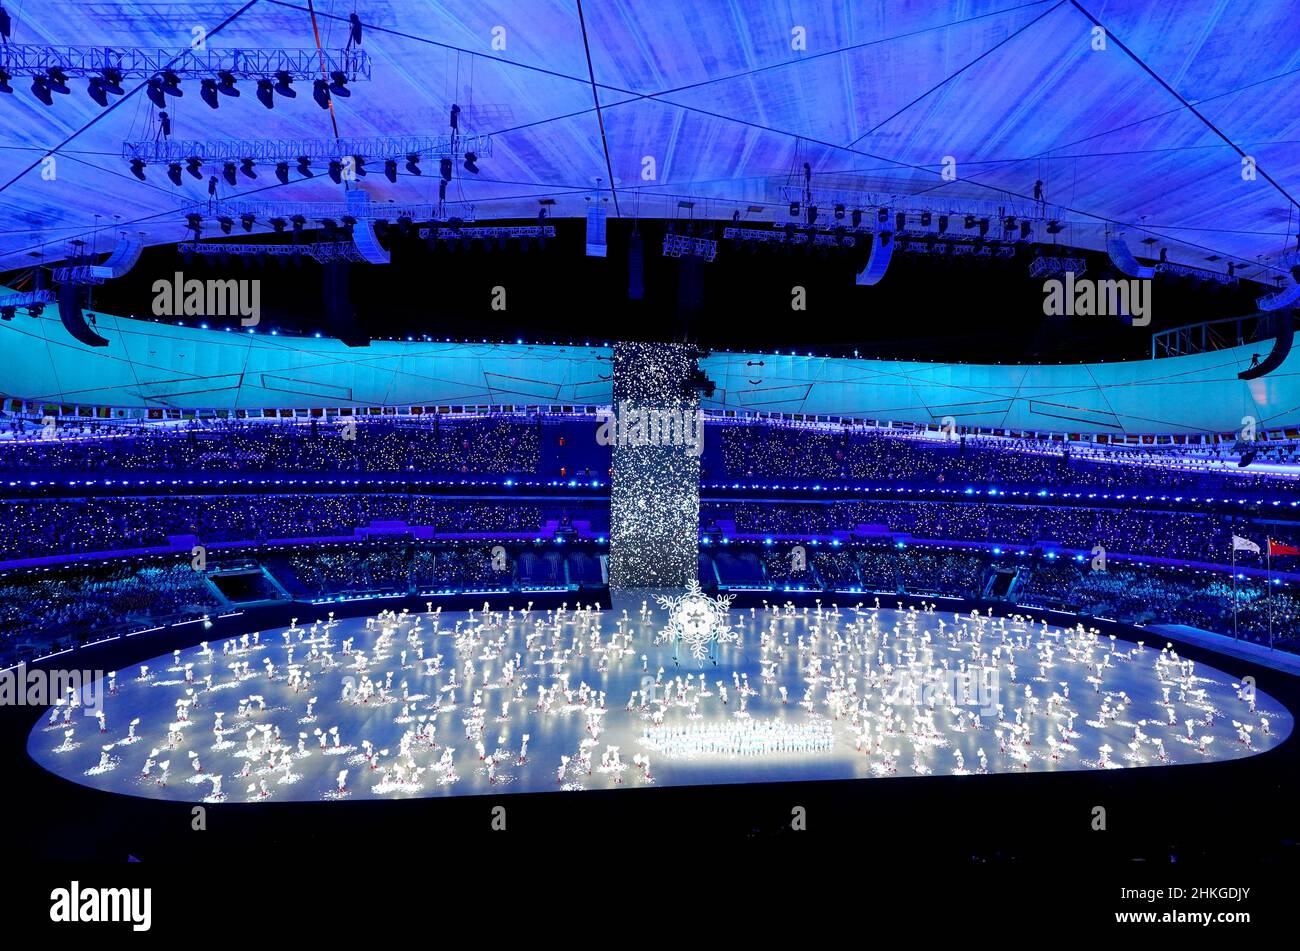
(856, 217)
(154, 90)
(442, 190)
(97, 91)
(336, 172)
(339, 84)
(174, 173)
(390, 170)
(794, 209)
(246, 166)
(359, 166)
(900, 221)
(444, 168)
(246, 220)
(284, 85)
(266, 93)
(926, 218)
(413, 163)
(882, 215)
(113, 81)
(225, 223)
(226, 83)
(471, 162)
(299, 222)
(943, 223)
(282, 172)
(171, 83)
(354, 29)
(228, 172)
(208, 92)
(321, 93)
(212, 186)
(1009, 223)
(41, 90)
(58, 80)
(137, 168)
(7, 313)
(194, 222)
(278, 225)
(984, 226)
(1026, 228)
(812, 214)
(5, 76)
(970, 222)
(404, 224)
(1054, 227)
(455, 116)
(194, 165)
(304, 167)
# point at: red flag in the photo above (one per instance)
(1277, 548)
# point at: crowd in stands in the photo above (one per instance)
(35, 528)
(786, 452)
(43, 609)
(1187, 535)
(490, 445)
(390, 568)
(1139, 594)
(70, 601)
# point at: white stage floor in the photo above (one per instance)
(868, 693)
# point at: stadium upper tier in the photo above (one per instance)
(164, 367)
(736, 456)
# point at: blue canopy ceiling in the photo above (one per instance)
(1145, 136)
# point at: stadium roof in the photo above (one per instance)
(1145, 136)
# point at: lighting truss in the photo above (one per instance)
(133, 63)
(316, 151)
(1041, 267)
(489, 233)
(79, 274)
(315, 210)
(828, 239)
(1200, 273)
(825, 201)
(26, 299)
(678, 245)
(326, 252)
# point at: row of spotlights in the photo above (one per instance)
(194, 165)
(168, 83)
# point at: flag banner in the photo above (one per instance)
(1277, 548)
(1244, 544)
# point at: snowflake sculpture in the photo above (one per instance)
(698, 621)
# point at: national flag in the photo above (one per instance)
(1277, 548)
(1244, 544)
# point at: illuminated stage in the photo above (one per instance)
(850, 692)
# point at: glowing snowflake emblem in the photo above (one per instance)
(697, 621)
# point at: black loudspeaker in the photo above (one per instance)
(336, 293)
(72, 300)
(1281, 327)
